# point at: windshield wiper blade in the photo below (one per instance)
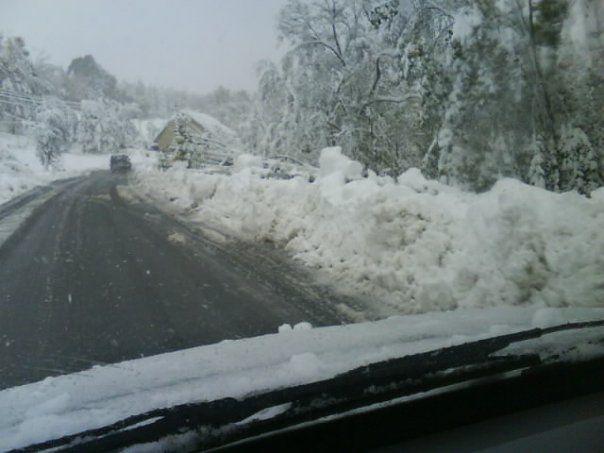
(221, 420)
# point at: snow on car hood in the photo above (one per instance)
(102, 395)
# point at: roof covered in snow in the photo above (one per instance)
(214, 128)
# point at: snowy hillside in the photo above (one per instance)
(412, 244)
(21, 169)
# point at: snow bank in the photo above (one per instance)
(413, 244)
(105, 394)
(333, 164)
(21, 170)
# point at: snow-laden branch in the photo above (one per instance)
(324, 44)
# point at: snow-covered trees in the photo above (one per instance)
(19, 85)
(524, 96)
(104, 126)
(579, 162)
(54, 129)
(467, 90)
(360, 74)
(88, 80)
(27, 106)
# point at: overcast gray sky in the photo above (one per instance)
(187, 44)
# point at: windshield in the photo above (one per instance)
(258, 195)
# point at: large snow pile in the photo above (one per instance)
(413, 244)
(21, 170)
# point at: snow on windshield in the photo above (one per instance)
(103, 395)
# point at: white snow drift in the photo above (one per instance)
(21, 170)
(413, 244)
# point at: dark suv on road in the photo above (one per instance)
(120, 163)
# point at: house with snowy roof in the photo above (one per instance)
(197, 139)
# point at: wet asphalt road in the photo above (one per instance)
(90, 278)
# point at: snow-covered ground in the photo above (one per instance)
(21, 170)
(105, 394)
(411, 244)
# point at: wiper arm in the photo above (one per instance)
(221, 420)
